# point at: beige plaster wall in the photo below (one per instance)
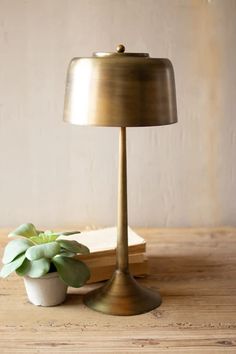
(56, 175)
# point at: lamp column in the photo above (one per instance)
(122, 224)
(122, 295)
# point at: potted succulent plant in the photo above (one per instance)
(46, 262)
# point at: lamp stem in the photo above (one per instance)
(122, 295)
(122, 227)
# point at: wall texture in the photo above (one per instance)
(56, 175)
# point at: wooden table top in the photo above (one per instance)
(195, 272)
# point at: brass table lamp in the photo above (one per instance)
(121, 90)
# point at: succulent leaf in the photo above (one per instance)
(66, 253)
(44, 238)
(73, 272)
(14, 248)
(37, 268)
(46, 250)
(26, 230)
(11, 267)
(73, 246)
(23, 269)
(67, 233)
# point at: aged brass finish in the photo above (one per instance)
(121, 90)
(120, 48)
(122, 295)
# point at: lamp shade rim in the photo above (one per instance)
(99, 125)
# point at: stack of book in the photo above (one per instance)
(102, 258)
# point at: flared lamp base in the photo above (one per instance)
(122, 296)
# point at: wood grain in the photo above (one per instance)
(195, 271)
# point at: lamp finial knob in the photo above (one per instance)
(120, 48)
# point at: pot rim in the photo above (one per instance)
(46, 276)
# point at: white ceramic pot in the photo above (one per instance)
(48, 290)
